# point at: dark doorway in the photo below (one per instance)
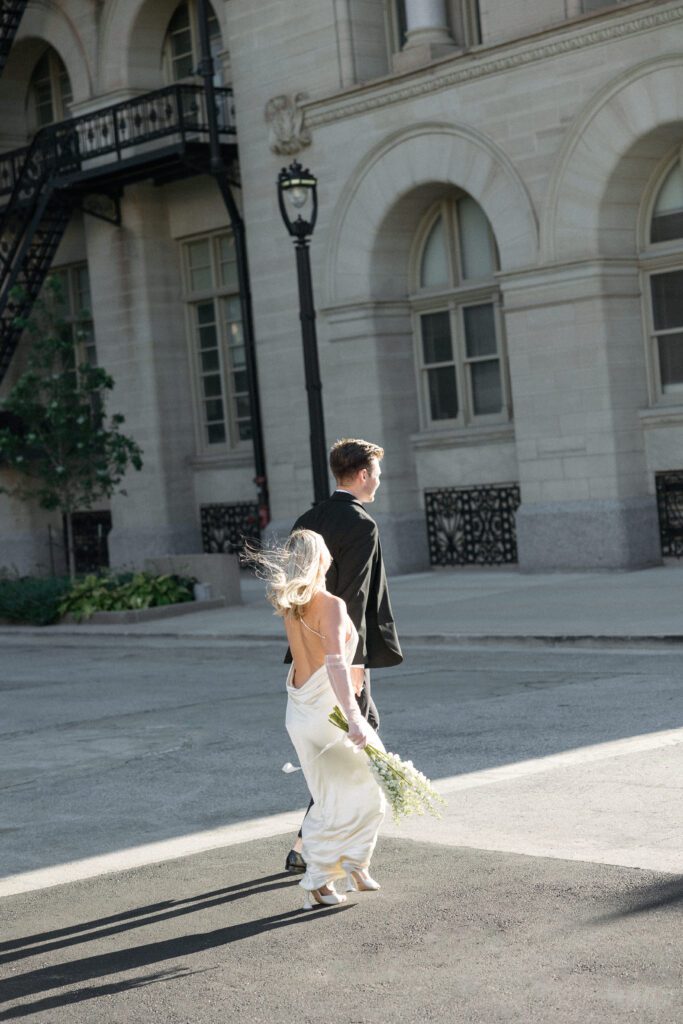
(91, 549)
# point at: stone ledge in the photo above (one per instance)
(165, 611)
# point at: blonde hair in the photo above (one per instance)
(294, 571)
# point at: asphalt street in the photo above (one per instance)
(453, 936)
(109, 744)
(551, 891)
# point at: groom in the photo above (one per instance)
(357, 572)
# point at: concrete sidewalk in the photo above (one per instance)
(465, 605)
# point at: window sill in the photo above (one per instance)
(662, 416)
(461, 437)
(223, 460)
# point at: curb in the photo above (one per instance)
(443, 639)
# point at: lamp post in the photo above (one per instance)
(297, 195)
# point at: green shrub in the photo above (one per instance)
(128, 592)
(32, 600)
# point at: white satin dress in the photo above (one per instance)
(340, 831)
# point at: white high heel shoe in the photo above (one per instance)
(314, 897)
(360, 881)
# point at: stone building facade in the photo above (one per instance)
(497, 265)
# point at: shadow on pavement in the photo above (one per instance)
(137, 957)
(652, 897)
(92, 992)
(47, 942)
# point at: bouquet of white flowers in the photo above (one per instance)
(407, 790)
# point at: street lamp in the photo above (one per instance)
(297, 195)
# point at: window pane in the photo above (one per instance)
(90, 353)
(62, 301)
(443, 393)
(215, 433)
(41, 85)
(245, 431)
(670, 198)
(671, 362)
(212, 386)
(82, 290)
(237, 358)
(210, 360)
(667, 299)
(205, 312)
(235, 335)
(228, 262)
(667, 220)
(480, 331)
(243, 408)
(487, 392)
(180, 19)
(233, 310)
(183, 67)
(434, 269)
(436, 337)
(476, 242)
(240, 379)
(65, 93)
(214, 409)
(199, 258)
(208, 337)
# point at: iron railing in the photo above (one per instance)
(41, 183)
(472, 525)
(226, 527)
(124, 132)
(669, 488)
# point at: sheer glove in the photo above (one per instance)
(340, 680)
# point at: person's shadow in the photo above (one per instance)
(133, 958)
(660, 895)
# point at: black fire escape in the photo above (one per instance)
(11, 12)
(86, 162)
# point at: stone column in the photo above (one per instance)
(140, 332)
(428, 36)
(579, 380)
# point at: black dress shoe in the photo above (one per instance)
(295, 863)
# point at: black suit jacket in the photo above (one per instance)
(357, 575)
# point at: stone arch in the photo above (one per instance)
(44, 23)
(607, 160)
(133, 33)
(388, 193)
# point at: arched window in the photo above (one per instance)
(182, 48)
(665, 287)
(458, 327)
(50, 95)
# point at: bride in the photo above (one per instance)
(340, 830)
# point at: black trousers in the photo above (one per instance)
(368, 709)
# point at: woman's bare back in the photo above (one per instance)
(307, 638)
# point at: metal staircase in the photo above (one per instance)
(11, 12)
(163, 135)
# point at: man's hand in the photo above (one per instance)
(357, 678)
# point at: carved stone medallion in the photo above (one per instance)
(287, 133)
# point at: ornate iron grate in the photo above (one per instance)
(91, 549)
(472, 525)
(670, 507)
(226, 527)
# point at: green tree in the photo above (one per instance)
(66, 452)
